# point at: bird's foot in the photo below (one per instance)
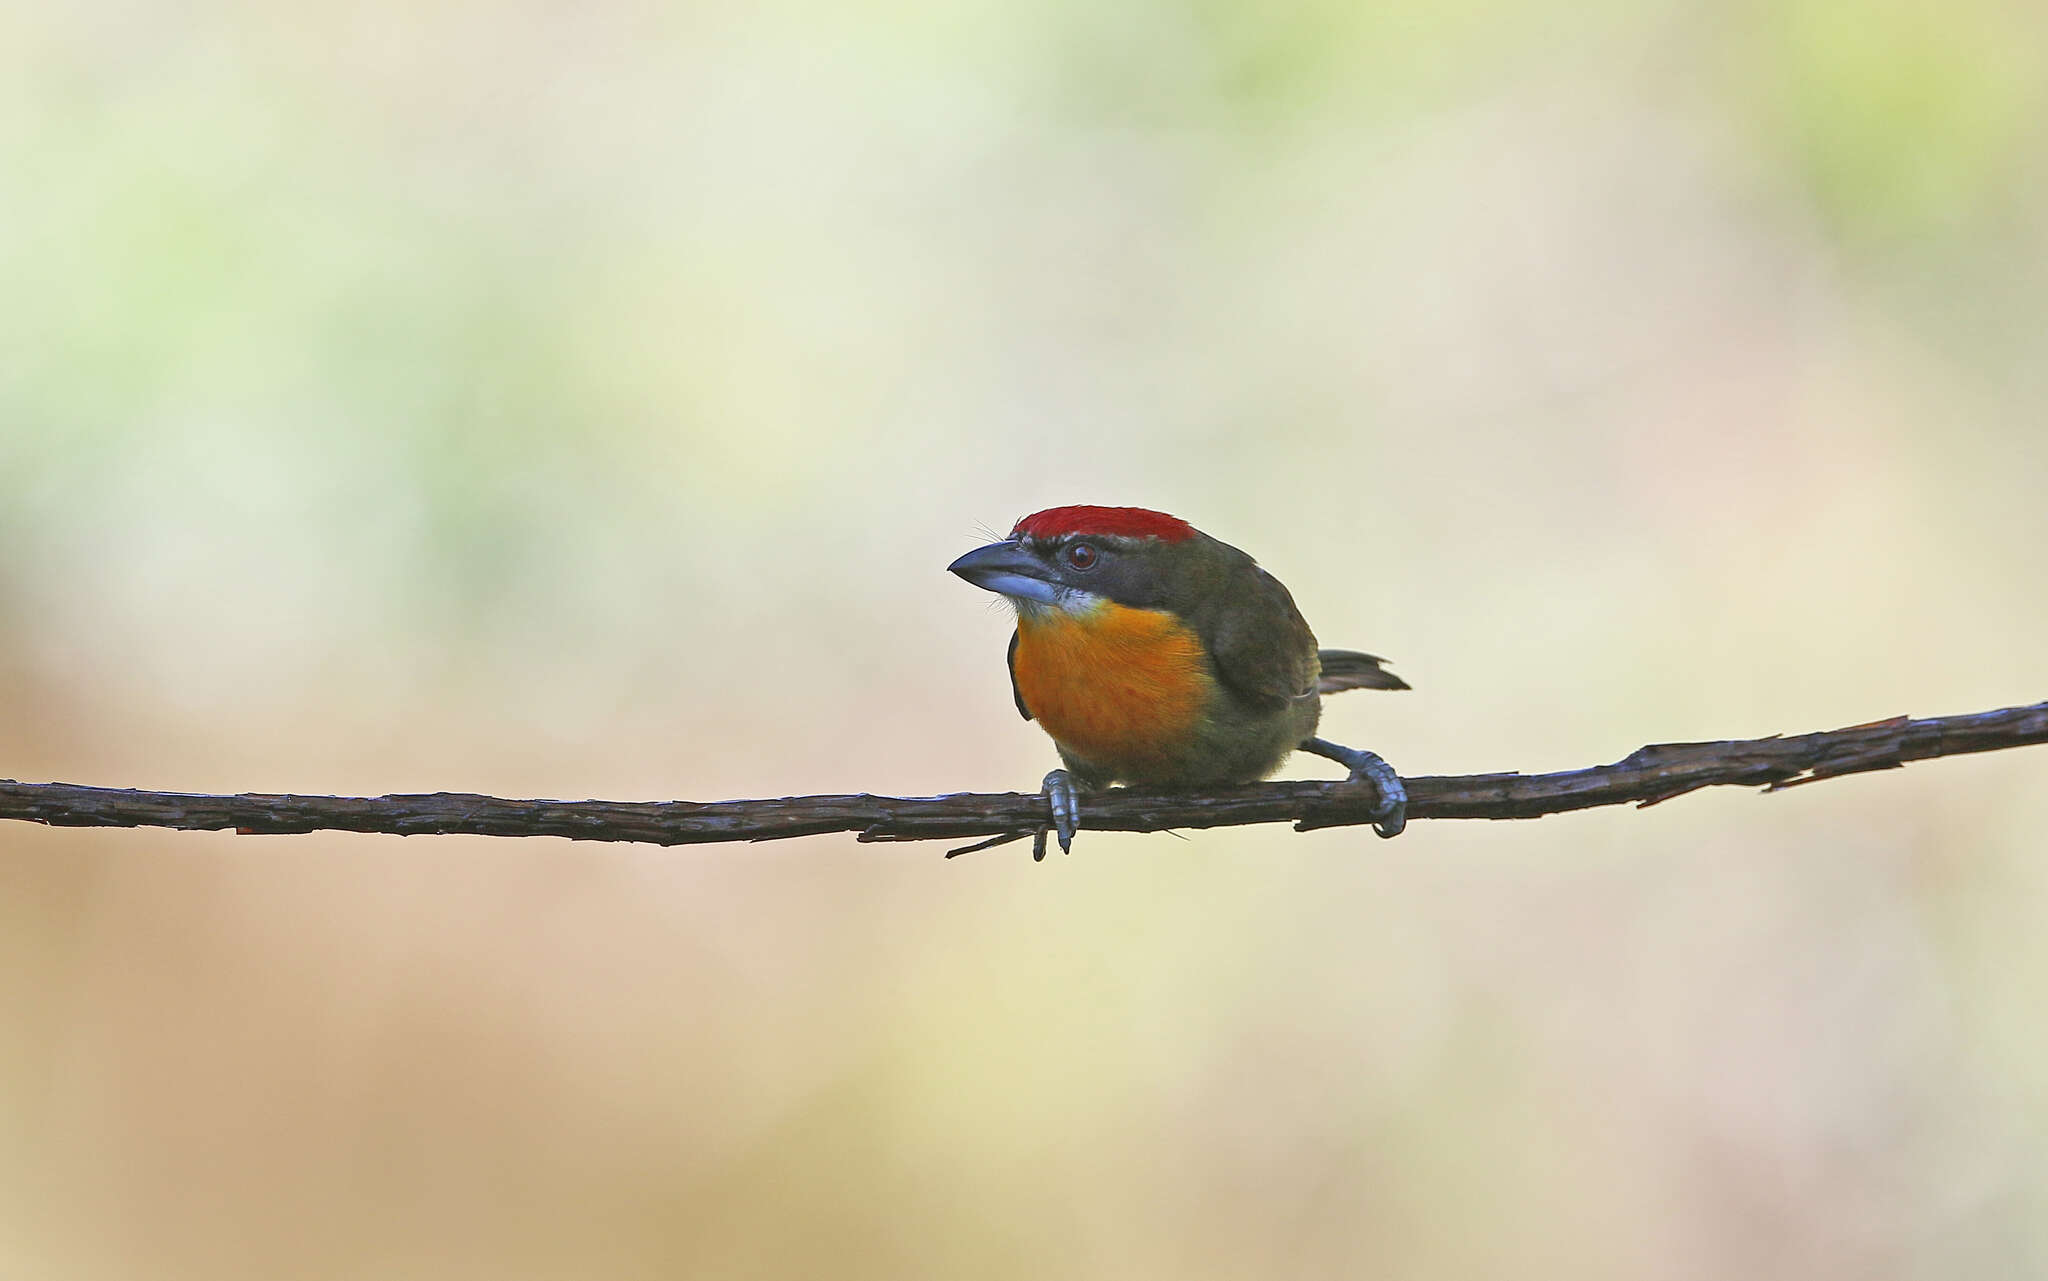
(1391, 815)
(1064, 796)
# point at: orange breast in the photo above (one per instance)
(1117, 687)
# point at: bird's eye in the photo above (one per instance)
(1081, 556)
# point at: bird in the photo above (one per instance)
(1155, 655)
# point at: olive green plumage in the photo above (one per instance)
(1268, 672)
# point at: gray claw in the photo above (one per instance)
(1065, 799)
(1391, 815)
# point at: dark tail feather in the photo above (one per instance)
(1348, 669)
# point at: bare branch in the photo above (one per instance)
(1644, 777)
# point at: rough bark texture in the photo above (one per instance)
(1644, 777)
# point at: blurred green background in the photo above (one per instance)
(574, 400)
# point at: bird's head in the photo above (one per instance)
(1072, 559)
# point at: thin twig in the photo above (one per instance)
(1644, 777)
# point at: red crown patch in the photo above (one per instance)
(1111, 522)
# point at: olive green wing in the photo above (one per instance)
(1016, 695)
(1261, 646)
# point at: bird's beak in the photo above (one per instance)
(1008, 569)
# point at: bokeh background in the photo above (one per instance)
(584, 400)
